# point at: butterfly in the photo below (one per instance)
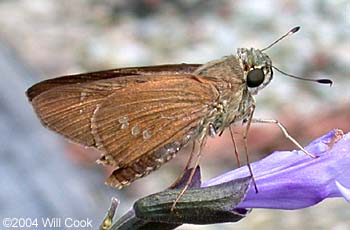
(140, 117)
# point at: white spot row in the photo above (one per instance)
(135, 130)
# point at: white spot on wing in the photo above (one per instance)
(124, 122)
(82, 96)
(146, 134)
(135, 130)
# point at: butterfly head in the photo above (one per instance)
(257, 67)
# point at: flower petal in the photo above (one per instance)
(345, 191)
(293, 180)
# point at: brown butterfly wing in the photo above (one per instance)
(43, 86)
(68, 109)
(134, 124)
(129, 118)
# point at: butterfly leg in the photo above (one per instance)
(285, 133)
(245, 139)
(198, 156)
(235, 147)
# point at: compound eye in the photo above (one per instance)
(255, 78)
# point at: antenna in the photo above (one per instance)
(290, 32)
(321, 81)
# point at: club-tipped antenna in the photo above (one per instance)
(321, 81)
(290, 32)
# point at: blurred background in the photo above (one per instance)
(43, 175)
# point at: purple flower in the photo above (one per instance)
(292, 180)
